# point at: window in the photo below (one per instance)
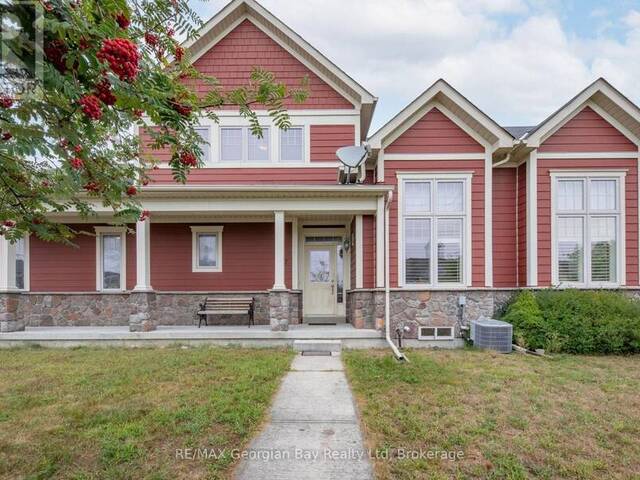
(206, 248)
(22, 263)
(588, 244)
(110, 262)
(292, 145)
(239, 144)
(435, 333)
(205, 145)
(435, 230)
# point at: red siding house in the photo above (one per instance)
(462, 210)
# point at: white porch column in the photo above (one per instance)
(380, 243)
(488, 218)
(278, 283)
(7, 266)
(143, 256)
(532, 219)
(359, 252)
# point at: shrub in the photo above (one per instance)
(576, 321)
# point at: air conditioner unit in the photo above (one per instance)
(492, 334)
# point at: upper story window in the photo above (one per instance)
(206, 248)
(205, 144)
(435, 230)
(240, 145)
(292, 145)
(588, 247)
(110, 261)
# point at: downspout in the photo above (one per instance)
(387, 314)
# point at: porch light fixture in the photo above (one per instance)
(346, 244)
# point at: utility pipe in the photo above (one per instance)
(387, 314)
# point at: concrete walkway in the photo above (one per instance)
(313, 432)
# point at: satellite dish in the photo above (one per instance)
(352, 157)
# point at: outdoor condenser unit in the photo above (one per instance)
(492, 334)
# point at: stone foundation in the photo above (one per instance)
(10, 320)
(284, 309)
(412, 309)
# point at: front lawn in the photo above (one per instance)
(123, 413)
(511, 416)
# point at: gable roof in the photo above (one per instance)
(601, 96)
(239, 10)
(456, 104)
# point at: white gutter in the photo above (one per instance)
(387, 313)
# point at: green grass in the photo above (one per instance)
(122, 413)
(512, 416)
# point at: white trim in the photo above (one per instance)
(359, 252)
(294, 254)
(380, 166)
(467, 260)
(380, 243)
(100, 232)
(279, 257)
(27, 255)
(306, 147)
(208, 229)
(143, 256)
(581, 155)
(434, 156)
(619, 213)
(488, 219)
(532, 219)
(7, 266)
(613, 122)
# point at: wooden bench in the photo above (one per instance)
(225, 306)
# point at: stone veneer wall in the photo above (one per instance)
(100, 309)
(422, 308)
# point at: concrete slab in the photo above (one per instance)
(317, 345)
(317, 364)
(313, 431)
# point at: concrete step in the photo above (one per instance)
(317, 345)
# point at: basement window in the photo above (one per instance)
(435, 333)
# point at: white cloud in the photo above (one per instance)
(513, 59)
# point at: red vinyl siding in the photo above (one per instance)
(326, 139)
(504, 228)
(434, 133)
(368, 251)
(588, 132)
(248, 252)
(544, 210)
(233, 58)
(522, 224)
(251, 176)
(54, 267)
(392, 167)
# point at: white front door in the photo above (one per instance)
(320, 280)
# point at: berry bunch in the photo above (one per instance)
(104, 93)
(6, 101)
(122, 56)
(92, 187)
(151, 39)
(91, 107)
(179, 53)
(131, 190)
(9, 223)
(188, 159)
(55, 52)
(123, 21)
(181, 108)
(76, 163)
(6, 136)
(144, 215)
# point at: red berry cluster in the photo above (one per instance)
(76, 163)
(55, 52)
(122, 56)
(9, 223)
(91, 107)
(104, 93)
(179, 53)
(6, 101)
(123, 21)
(92, 187)
(6, 136)
(151, 39)
(131, 190)
(137, 113)
(144, 215)
(182, 109)
(188, 159)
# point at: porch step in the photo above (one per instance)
(314, 346)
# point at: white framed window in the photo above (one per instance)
(292, 145)
(205, 144)
(588, 228)
(111, 259)
(435, 333)
(240, 145)
(206, 248)
(22, 263)
(435, 230)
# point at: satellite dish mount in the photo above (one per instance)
(352, 158)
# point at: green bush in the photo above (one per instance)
(576, 321)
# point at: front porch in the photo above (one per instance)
(242, 336)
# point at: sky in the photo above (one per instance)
(517, 60)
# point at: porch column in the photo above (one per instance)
(278, 283)
(143, 257)
(9, 293)
(380, 243)
(359, 252)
